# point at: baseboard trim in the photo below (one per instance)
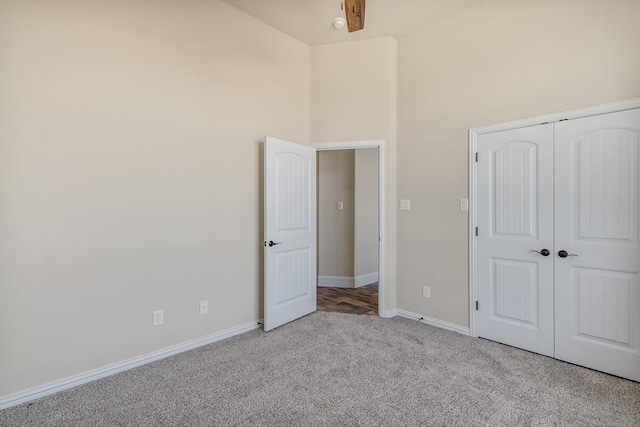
(390, 313)
(366, 279)
(76, 380)
(433, 322)
(336, 282)
(347, 282)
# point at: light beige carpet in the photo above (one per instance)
(340, 370)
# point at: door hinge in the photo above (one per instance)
(476, 305)
(476, 157)
(476, 231)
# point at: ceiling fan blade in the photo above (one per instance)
(354, 10)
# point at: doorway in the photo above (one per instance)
(348, 231)
(556, 254)
(364, 287)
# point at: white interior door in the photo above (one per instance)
(597, 196)
(290, 232)
(515, 218)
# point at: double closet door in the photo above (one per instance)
(558, 246)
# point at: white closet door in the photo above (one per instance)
(597, 194)
(515, 218)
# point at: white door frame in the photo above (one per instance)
(473, 189)
(382, 251)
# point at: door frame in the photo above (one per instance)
(382, 246)
(473, 189)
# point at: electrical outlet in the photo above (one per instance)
(426, 291)
(204, 306)
(158, 317)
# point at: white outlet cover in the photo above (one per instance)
(405, 205)
(158, 317)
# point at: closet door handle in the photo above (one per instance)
(564, 254)
(543, 252)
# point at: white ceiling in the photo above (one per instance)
(310, 20)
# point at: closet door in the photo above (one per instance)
(515, 238)
(597, 286)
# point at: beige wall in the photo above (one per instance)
(366, 212)
(130, 163)
(497, 61)
(130, 167)
(354, 97)
(336, 175)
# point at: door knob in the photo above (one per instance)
(543, 252)
(272, 243)
(564, 254)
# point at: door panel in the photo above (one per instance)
(514, 189)
(515, 217)
(290, 232)
(597, 196)
(605, 162)
(604, 309)
(515, 289)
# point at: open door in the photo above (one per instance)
(290, 232)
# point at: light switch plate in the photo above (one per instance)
(426, 292)
(340, 206)
(464, 204)
(405, 205)
(204, 306)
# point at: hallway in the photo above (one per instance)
(363, 300)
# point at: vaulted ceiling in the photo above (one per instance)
(311, 20)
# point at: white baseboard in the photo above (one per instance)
(336, 282)
(76, 380)
(366, 279)
(347, 282)
(390, 313)
(433, 322)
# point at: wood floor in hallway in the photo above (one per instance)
(363, 300)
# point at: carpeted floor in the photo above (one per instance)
(340, 370)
